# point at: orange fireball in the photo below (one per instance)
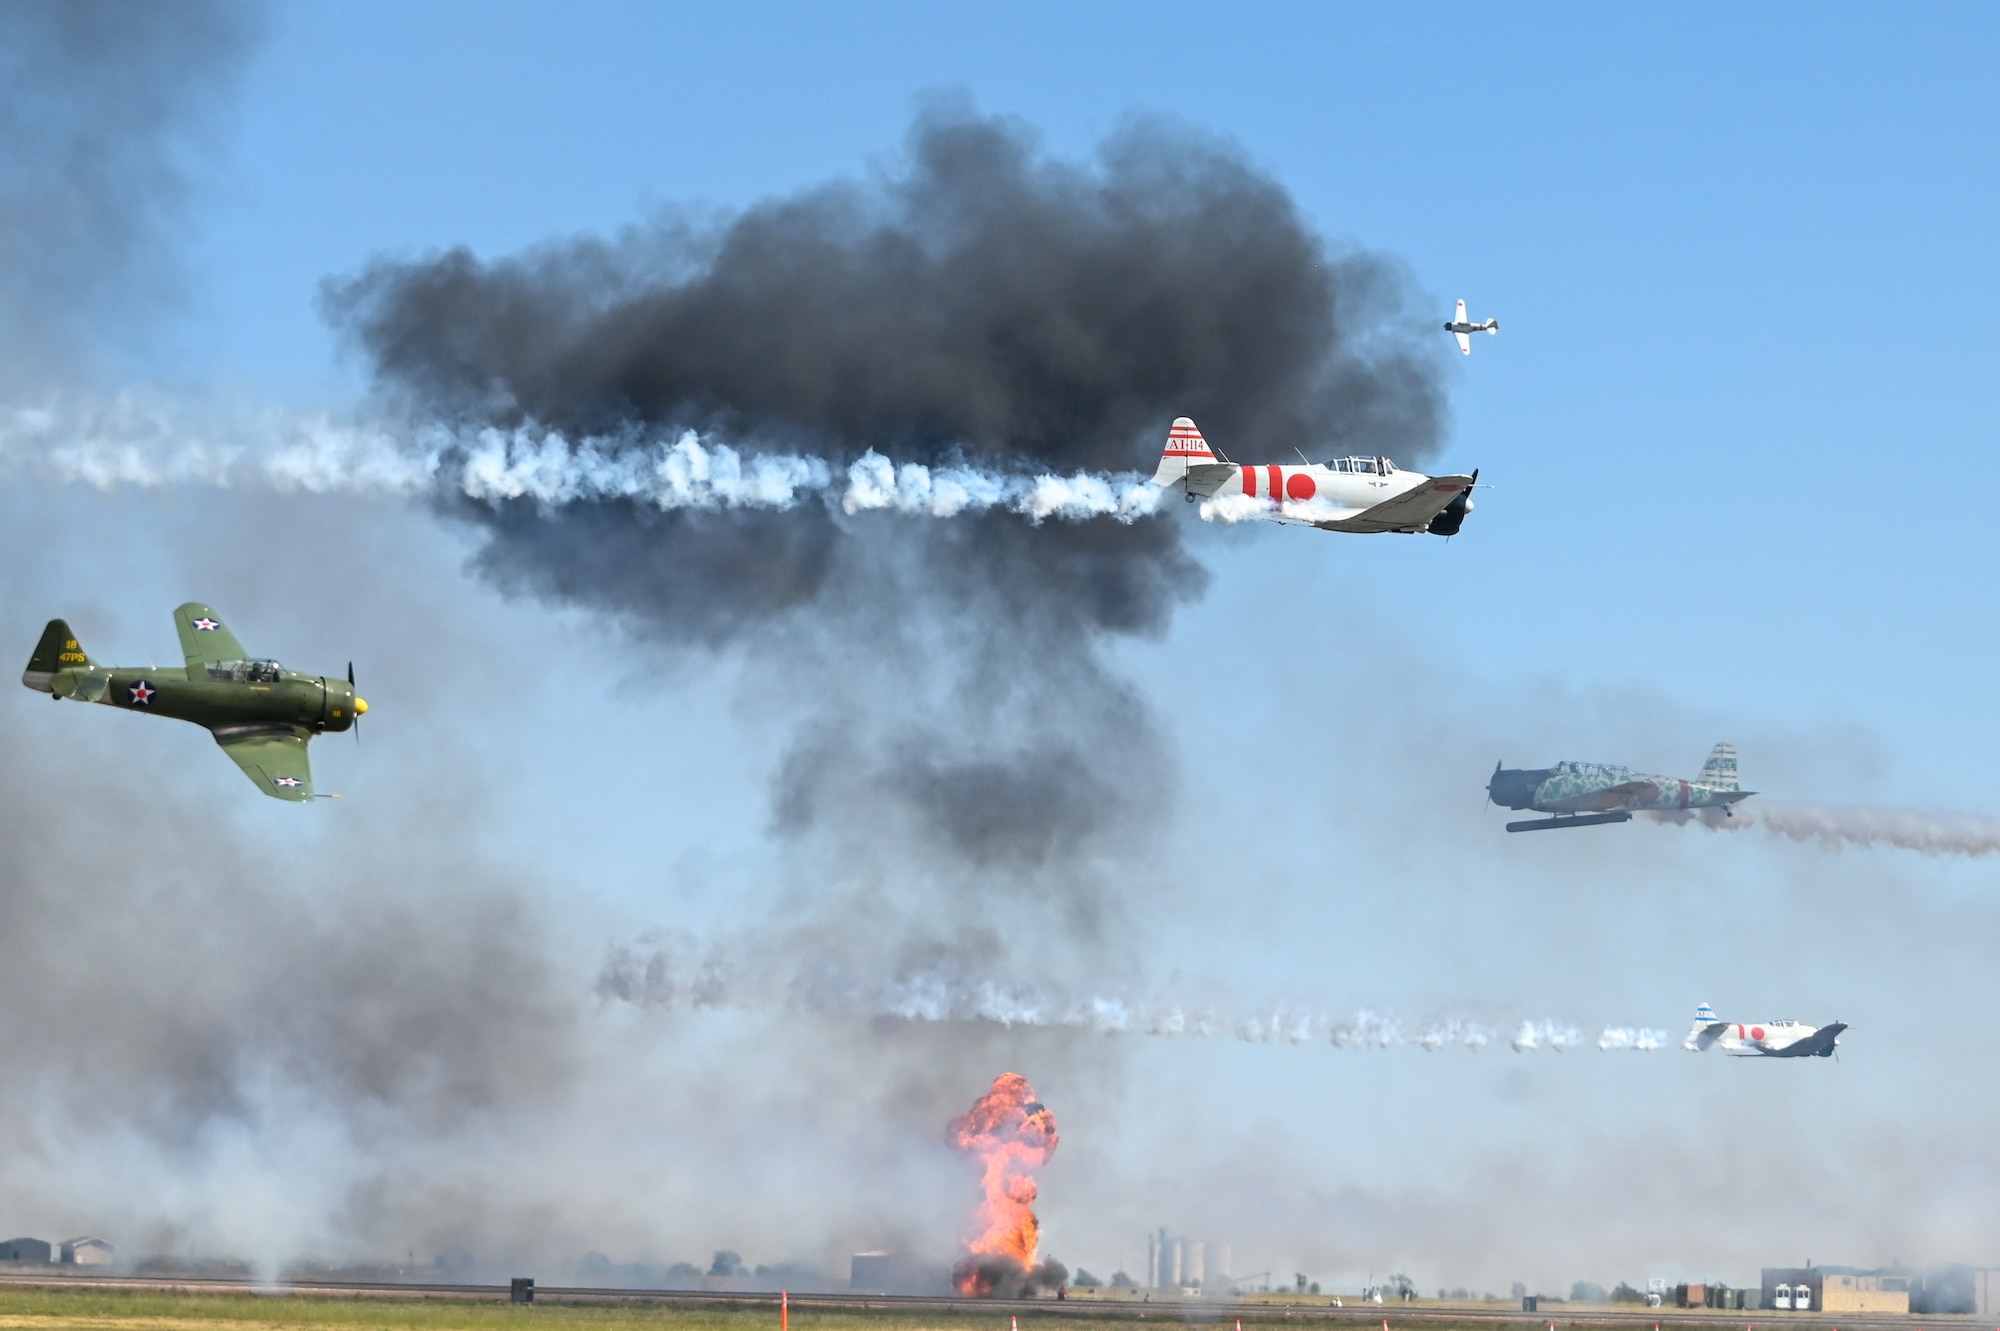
(1011, 1134)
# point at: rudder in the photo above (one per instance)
(1720, 770)
(58, 650)
(1185, 448)
(1707, 1029)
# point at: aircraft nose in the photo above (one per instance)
(360, 706)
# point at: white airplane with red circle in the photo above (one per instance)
(1344, 494)
(1460, 327)
(1773, 1039)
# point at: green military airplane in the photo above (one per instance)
(259, 712)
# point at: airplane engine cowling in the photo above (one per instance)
(336, 704)
(1447, 522)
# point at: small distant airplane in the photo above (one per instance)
(1773, 1039)
(1460, 329)
(1584, 794)
(1346, 494)
(259, 712)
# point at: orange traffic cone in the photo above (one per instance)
(784, 1310)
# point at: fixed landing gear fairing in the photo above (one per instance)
(1461, 329)
(1584, 794)
(1772, 1039)
(1345, 494)
(259, 712)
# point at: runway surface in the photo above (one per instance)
(1088, 1308)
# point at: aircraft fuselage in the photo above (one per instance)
(1333, 496)
(276, 697)
(1600, 788)
(1770, 1039)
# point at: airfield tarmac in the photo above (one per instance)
(143, 1303)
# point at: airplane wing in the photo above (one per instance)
(1415, 508)
(274, 759)
(204, 637)
(1611, 797)
(1464, 342)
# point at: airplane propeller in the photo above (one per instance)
(1487, 803)
(357, 714)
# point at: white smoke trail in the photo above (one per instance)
(1249, 508)
(1837, 825)
(136, 440)
(676, 973)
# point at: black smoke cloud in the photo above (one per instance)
(108, 122)
(979, 301)
(983, 301)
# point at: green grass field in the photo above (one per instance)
(148, 1311)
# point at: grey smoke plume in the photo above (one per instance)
(206, 1015)
(109, 114)
(1926, 831)
(1929, 832)
(980, 306)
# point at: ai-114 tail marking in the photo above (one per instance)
(1771, 1039)
(1585, 794)
(1459, 328)
(1345, 494)
(259, 712)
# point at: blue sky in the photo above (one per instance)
(1735, 427)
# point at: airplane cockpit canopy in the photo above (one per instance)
(253, 672)
(1363, 466)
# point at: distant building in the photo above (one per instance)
(1181, 1263)
(26, 1250)
(88, 1251)
(1814, 1289)
(1956, 1289)
(1864, 1294)
(888, 1272)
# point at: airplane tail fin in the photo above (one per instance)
(1707, 1029)
(58, 650)
(1492, 325)
(1185, 448)
(1720, 770)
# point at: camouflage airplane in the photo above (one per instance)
(1773, 1039)
(1582, 794)
(259, 712)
